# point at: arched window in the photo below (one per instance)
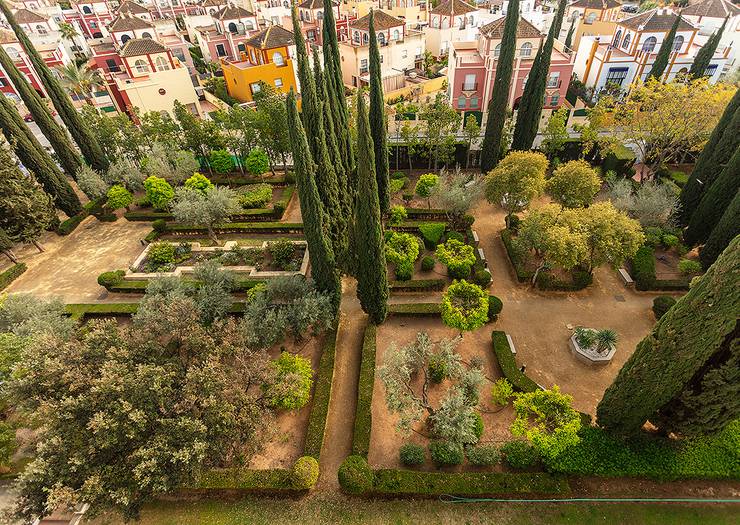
(248, 24)
(677, 43)
(649, 44)
(13, 53)
(617, 38)
(161, 64)
(86, 9)
(320, 15)
(445, 23)
(435, 22)
(626, 41)
(497, 51)
(574, 15)
(526, 50)
(365, 38)
(471, 20)
(591, 18)
(396, 34)
(141, 66)
(146, 34)
(381, 39)
(277, 59)
(125, 38)
(232, 27)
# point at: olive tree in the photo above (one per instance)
(204, 209)
(574, 184)
(516, 181)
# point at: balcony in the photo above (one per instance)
(466, 86)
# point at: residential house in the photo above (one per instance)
(226, 37)
(129, 7)
(708, 16)
(311, 15)
(43, 29)
(272, 12)
(15, 51)
(451, 21)
(414, 12)
(91, 16)
(590, 18)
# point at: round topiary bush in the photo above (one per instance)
(456, 236)
(411, 454)
(662, 304)
(161, 253)
(427, 263)
(495, 305)
(482, 278)
(483, 455)
(110, 279)
(520, 454)
(445, 454)
(305, 473)
(355, 475)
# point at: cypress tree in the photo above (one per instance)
(687, 345)
(68, 157)
(714, 203)
(378, 128)
(491, 147)
(320, 253)
(36, 159)
(721, 145)
(372, 273)
(569, 37)
(705, 54)
(85, 140)
(664, 53)
(530, 107)
(727, 229)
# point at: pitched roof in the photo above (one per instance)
(131, 7)
(272, 37)
(24, 16)
(596, 4)
(654, 20)
(232, 12)
(141, 46)
(453, 8)
(524, 29)
(128, 22)
(314, 4)
(382, 21)
(212, 3)
(7, 37)
(712, 9)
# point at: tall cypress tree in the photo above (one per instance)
(320, 253)
(664, 53)
(571, 30)
(705, 54)
(530, 107)
(85, 140)
(721, 145)
(378, 124)
(372, 273)
(497, 107)
(691, 344)
(68, 157)
(714, 203)
(727, 229)
(36, 159)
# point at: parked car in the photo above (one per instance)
(28, 117)
(630, 8)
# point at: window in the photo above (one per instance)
(381, 39)
(278, 82)
(404, 53)
(526, 49)
(461, 102)
(363, 65)
(365, 38)
(445, 23)
(220, 50)
(710, 70)
(469, 84)
(591, 18)
(161, 64)
(616, 75)
(141, 66)
(555, 99)
(617, 38)
(41, 30)
(277, 59)
(474, 101)
(471, 20)
(249, 24)
(677, 43)
(649, 44)
(111, 64)
(356, 37)
(145, 34)
(497, 51)
(553, 80)
(3, 82)
(626, 41)
(13, 52)
(524, 82)
(125, 38)
(396, 34)
(255, 87)
(435, 22)
(242, 48)
(94, 25)
(86, 9)
(232, 27)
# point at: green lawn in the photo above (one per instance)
(340, 510)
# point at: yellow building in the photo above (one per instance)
(592, 18)
(269, 58)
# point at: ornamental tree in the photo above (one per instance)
(90, 182)
(199, 182)
(204, 209)
(457, 256)
(124, 171)
(257, 162)
(158, 192)
(425, 187)
(516, 181)
(402, 249)
(653, 204)
(464, 306)
(456, 193)
(556, 132)
(119, 197)
(221, 161)
(574, 184)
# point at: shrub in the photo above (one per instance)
(520, 454)
(466, 221)
(457, 236)
(363, 414)
(425, 186)
(158, 192)
(662, 304)
(110, 279)
(255, 196)
(402, 249)
(396, 185)
(355, 475)
(11, 274)
(159, 225)
(478, 426)
(305, 473)
(258, 162)
(483, 455)
(8, 443)
(411, 454)
(507, 363)
(161, 253)
(513, 223)
(458, 256)
(299, 369)
(432, 233)
(437, 369)
(397, 215)
(653, 236)
(398, 175)
(321, 394)
(495, 305)
(482, 278)
(643, 268)
(407, 197)
(221, 161)
(689, 267)
(119, 197)
(581, 279)
(282, 252)
(199, 182)
(669, 241)
(445, 453)
(464, 306)
(502, 392)
(427, 263)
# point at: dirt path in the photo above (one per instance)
(341, 418)
(293, 211)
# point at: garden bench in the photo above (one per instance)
(476, 239)
(626, 277)
(511, 344)
(482, 257)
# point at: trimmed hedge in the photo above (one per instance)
(642, 269)
(249, 479)
(355, 475)
(407, 482)
(82, 310)
(11, 274)
(321, 397)
(521, 274)
(414, 309)
(507, 363)
(363, 414)
(148, 216)
(68, 226)
(417, 285)
(242, 227)
(433, 214)
(93, 207)
(124, 286)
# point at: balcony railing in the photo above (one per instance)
(466, 86)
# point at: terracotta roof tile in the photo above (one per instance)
(141, 46)
(382, 21)
(272, 37)
(131, 7)
(713, 9)
(232, 12)
(24, 16)
(524, 29)
(128, 22)
(453, 8)
(314, 4)
(596, 4)
(654, 20)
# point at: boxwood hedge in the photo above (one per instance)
(321, 397)
(11, 274)
(363, 414)
(506, 361)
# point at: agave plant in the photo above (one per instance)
(585, 337)
(605, 340)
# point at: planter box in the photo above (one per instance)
(588, 357)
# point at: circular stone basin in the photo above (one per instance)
(588, 355)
